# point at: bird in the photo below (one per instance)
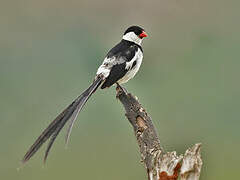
(120, 65)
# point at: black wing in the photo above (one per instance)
(116, 73)
(122, 53)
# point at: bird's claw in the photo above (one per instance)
(120, 90)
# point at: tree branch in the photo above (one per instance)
(159, 165)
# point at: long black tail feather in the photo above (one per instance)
(58, 123)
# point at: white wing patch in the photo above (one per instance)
(132, 71)
(104, 68)
(107, 65)
(130, 63)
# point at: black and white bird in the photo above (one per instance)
(121, 64)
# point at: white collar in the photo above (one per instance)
(131, 36)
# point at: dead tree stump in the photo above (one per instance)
(160, 165)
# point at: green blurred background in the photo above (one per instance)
(189, 84)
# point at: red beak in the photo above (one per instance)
(143, 34)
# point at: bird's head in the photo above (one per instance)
(134, 34)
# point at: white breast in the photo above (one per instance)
(132, 71)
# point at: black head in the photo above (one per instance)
(137, 30)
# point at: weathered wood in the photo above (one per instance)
(159, 165)
(192, 163)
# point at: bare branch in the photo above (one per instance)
(159, 165)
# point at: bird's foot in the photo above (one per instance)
(120, 90)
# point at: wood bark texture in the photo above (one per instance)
(160, 165)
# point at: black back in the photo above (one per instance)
(125, 50)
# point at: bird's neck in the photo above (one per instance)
(133, 38)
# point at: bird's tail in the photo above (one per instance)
(70, 113)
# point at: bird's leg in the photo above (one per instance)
(120, 90)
